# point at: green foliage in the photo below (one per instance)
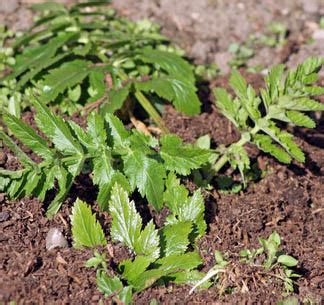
(274, 259)
(127, 226)
(161, 256)
(86, 230)
(86, 54)
(284, 99)
(113, 154)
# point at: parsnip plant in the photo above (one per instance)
(256, 116)
(160, 255)
(112, 153)
(86, 56)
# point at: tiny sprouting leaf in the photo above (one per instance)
(287, 260)
(86, 230)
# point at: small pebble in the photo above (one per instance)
(55, 239)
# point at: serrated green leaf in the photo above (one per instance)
(66, 76)
(105, 189)
(178, 91)
(176, 237)
(133, 269)
(106, 284)
(175, 194)
(238, 84)
(116, 99)
(286, 141)
(167, 265)
(96, 130)
(147, 175)
(28, 136)
(273, 81)
(86, 230)
(300, 119)
(26, 77)
(183, 207)
(300, 104)
(102, 167)
(225, 103)
(117, 130)
(56, 129)
(264, 143)
(182, 158)
(127, 225)
(171, 63)
(16, 150)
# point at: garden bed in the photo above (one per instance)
(288, 199)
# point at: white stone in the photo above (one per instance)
(55, 239)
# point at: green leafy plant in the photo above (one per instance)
(284, 99)
(86, 57)
(274, 258)
(106, 149)
(160, 255)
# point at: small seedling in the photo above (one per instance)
(160, 255)
(274, 258)
(255, 116)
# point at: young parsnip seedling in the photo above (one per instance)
(285, 99)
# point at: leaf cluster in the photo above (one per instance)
(160, 255)
(87, 55)
(105, 149)
(274, 257)
(285, 99)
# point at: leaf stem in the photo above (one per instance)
(245, 138)
(146, 104)
(151, 111)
